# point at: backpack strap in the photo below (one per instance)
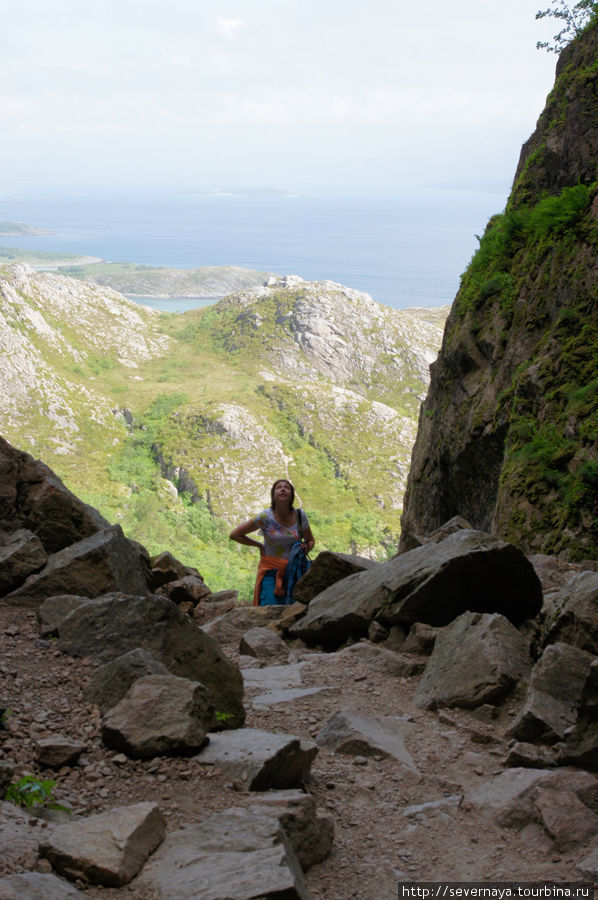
(299, 525)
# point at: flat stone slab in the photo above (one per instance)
(432, 806)
(356, 734)
(273, 678)
(260, 760)
(36, 886)
(275, 698)
(109, 848)
(237, 857)
(509, 798)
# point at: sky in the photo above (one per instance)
(280, 95)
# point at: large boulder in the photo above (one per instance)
(326, 569)
(550, 707)
(33, 497)
(21, 554)
(477, 659)
(105, 561)
(435, 583)
(160, 715)
(109, 626)
(573, 618)
(109, 848)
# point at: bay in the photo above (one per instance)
(405, 251)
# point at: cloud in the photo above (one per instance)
(229, 28)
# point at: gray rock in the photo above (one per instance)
(160, 715)
(230, 627)
(108, 849)
(567, 820)
(588, 866)
(433, 806)
(509, 798)
(189, 589)
(530, 756)
(420, 640)
(21, 554)
(19, 840)
(477, 658)
(581, 742)
(105, 561)
(385, 662)
(356, 734)
(53, 611)
(235, 856)
(165, 567)
(457, 523)
(112, 625)
(36, 886)
(110, 682)
(550, 707)
(33, 497)
(275, 698)
(57, 751)
(311, 836)
(468, 570)
(326, 569)
(574, 614)
(259, 760)
(263, 643)
(273, 678)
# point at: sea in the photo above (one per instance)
(404, 250)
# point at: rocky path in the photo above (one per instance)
(404, 814)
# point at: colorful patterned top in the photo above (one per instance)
(278, 539)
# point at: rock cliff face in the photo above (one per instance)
(508, 433)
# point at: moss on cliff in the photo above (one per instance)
(507, 435)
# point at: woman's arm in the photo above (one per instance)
(309, 540)
(239, 534)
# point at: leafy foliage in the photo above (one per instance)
(574, 18)
(29, 791)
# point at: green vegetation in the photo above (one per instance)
(11, 255)
(18, 228)
(520, 232)
(29, 791)
(574, 16)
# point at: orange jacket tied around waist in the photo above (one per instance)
(266, 564)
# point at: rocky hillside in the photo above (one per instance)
(176, 425)
(508, 433)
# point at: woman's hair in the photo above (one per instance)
(272, 491)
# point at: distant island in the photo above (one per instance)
(154, 281)
(18, 229)
(43, 259)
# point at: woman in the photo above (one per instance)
(279, 527)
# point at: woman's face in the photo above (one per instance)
(282, 491)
